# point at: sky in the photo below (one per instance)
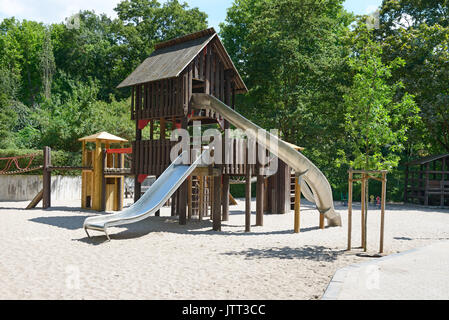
(54, 11)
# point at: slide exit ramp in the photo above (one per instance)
(315, 179)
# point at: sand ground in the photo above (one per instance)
(47, 255)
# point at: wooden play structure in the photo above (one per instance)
(427, 181)
(103, 180)
(162, 88)
(364, 177)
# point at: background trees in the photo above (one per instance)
(314, 72)
(58, 83)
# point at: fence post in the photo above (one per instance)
(46, 197)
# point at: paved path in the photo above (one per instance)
(421, 273)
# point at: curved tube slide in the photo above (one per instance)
(320, 187)
(153, 199)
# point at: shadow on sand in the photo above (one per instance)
(314, 253)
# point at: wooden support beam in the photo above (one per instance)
(35, 200)
(248, 199)
(216, 212)
(189, 197)
(225, 198)
(84, 176)
(382, 211)
(201, 198)
(182, 205)
(260, 193)
(137, 169)
(350, 210)
(46, 196)
(103, 181)
(363, 211)
(297, 204)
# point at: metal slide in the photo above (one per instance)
(155, 197)
(320, 187)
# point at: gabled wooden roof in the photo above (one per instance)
(170, 58)
(104, 136)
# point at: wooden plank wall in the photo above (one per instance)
(169, 98)
(151, 157)
(155, 100)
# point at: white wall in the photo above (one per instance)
(21, 188)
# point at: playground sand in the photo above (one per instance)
(47, 255)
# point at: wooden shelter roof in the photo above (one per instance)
(170, 58)
(104, 136)
(427, 159)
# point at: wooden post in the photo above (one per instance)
(350, 209)
(189, 197)
(201, 198)
(182, 205)
(84, 177)
(216, 208)
(46, 196)
(406, 184)
(321, 223)
(248, 200)
(382, 211)
(183, 190)
(103, 181)
(297, 204)
(137, 184)
(426, 186)
(363, 210)
(228, 74)
(443, 169)
(225, 198)
(259, 198)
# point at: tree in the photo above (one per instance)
(143, 23)
(293, 58)
(47, 63)
(7, 115)
(418, 32)
(378, 114)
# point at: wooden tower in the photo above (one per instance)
(97, 192)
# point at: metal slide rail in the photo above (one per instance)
(316, 180)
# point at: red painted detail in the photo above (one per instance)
(119, 151)
(143, 123)
(178, 125)
(141, 178)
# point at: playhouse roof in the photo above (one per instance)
(170, 58)
(103, 136)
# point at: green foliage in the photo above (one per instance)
(343, 93)
(377, 120)
(417, 31)
(7, 115)
(293, 54)
(59, 84)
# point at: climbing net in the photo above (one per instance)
(12, 166)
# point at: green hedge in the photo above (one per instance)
(58, 158)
